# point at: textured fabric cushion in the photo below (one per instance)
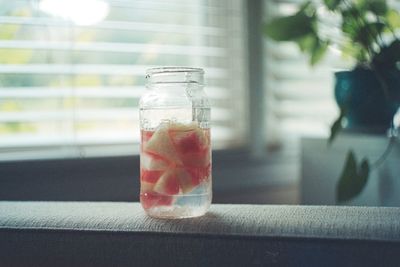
(120, 234)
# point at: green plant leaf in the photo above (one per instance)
(318, 52)
(289, 28)
(352, 12)
(336, 127)
(312, 45)
(354, 50)
(393, 18)
(353, 178)
(307, 43)
(350, 24)
(364, 170)
(378, 7)
(306, 7)
(332, 4)
(367, 34)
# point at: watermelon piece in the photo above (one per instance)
(199, 175)
(185, 180)
(153, 162)
(153, 199)
(150, 176)
(183, 127)
(188, 140)
(168, 183)
(192, 145)
(152, 167)
(161, 145)
(146, 187)
(200, 159)
(146, 135)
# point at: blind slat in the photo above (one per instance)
(116, 25)
(187, 50)
(103, 114)
(106, 69)
(92, 92)
(25, 142)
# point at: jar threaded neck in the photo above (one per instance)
(175, 75)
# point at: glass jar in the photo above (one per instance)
(175, 156)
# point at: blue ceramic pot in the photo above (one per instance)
(367, 107)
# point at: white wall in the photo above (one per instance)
(321, 167)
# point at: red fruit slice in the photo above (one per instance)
(150, 176)
(146, 135)
(168, 183)
(153, 162)
(152, 199)
(161, 145)
(192, 145)
(188, 143)
(185, 180)
(188, 140)
(199, 175)
(152, 167)
(200, 159)
(146, 187)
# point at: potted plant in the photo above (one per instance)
(368, 95)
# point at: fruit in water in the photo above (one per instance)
(197, 160)
(188, 139)
(150, 176)
(146, 187)
(146, 135)
(174, 160)
(152, 162)
(161, 145)
(199, 175)
(185, 180)
(152, 199)
(192, 145)
(152, 167)
(168, 183)
(149, 198)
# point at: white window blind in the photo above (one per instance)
(300, 98)
(71, 73)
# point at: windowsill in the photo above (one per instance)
(235, 176)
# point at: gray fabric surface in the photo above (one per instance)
(119, 234)
(369, 223)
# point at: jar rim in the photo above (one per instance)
(159, 70)
(174, 75)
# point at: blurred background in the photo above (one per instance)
(72, 72)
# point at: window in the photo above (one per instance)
(72, 72)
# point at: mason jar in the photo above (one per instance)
(175, 155)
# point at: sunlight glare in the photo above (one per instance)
(80, 12)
